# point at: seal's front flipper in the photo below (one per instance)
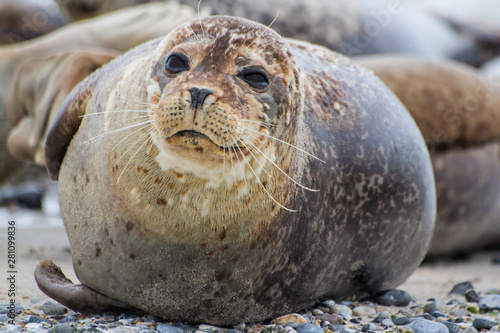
(52, 281)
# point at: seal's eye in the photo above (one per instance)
(176, 63)
(255, 77)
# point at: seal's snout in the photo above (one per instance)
(198, 97)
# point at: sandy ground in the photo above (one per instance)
(432, 280)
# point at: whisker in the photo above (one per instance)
(117, 130)
(128, 135)
(103, 113)
(265, 124)
(131, 158)
(286, 143)
(281, 170)
(199, 17)
(132, 146)
(268, 27)
(262, 185)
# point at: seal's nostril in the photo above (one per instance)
(198, 96)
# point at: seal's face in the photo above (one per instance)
(218, 93)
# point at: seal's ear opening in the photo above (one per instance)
(65, 126)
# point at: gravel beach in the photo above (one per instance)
(431, 308)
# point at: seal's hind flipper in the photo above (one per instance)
(52, 281)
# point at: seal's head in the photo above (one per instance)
(219, 90)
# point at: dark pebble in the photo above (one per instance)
(462, 288)
(381, 317)
(437, 314)
(428, 316)
(490, 303)
(394, 297)
(401, 321)
(164, 328)
(355, 321)
(480, 323)
(495, 260)
(472, 296)
(452, 327)
(53, 309)
(185, 327)
(427, 326)
(368, 327)
(4, 308)
(308, 328)
(335, 328)
(62, 328)
(433, 307)
(35, 319)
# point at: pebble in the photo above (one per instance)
(62, 328)
(5, 308)
(490, 302)
(336, 328)
(394, 297)
(452, 327)
(382, 316)
(437, 314)
(291, 318)
(472, 296)
(364, 311)
(460, 313)
(401, 321)
(427, 326)
(480, 323)
(473, 308)
(462, 288)
(342, 310)
(471, 330)
(368, 327)
(232, 330)
(164, 328)
(53, 309)
(495, 328)
(333, 319)
(349, 330)
(309, 328)
(434, 306)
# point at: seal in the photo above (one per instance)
(223, 174)
(458, 112)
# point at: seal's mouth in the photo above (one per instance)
(194, 139)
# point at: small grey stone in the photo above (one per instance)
(461, 288)
(53, 309)
(68, 318)
(233, 330)
(382, 315)
(480, 323)
(428, 317)
(471, 329)
(401, 321)
(368, 327)
(5, 308)
(434, 306)
(309, 328)
(394, 297)
(437, 314)
(452, 327)
(349, 330)
(427, 326)
(62, 328)
(460, 313)
(335, 328)
(364, 311)
(490, 303)
(387, 322)
(328, 303)
(342, 310)
(164, 328)
(3, 318)
(185, 327)
(35, 319)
